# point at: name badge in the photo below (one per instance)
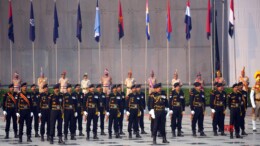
(163, 97)
(28, 96)
(96, 97)
(117, 97)
(181, 97)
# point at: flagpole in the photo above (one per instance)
(167, 81)
(222, 52)
(212, 55)
(11, 58)
(79, 61)
(235, 61)
(189, 65)
(145, 69)
(214, 40)
(56, 62)
(121, 46)
(99, 57)
(33, 62)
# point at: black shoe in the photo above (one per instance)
(81, 134)
(87, 136)
(110, 136)
(51, 140)
(254, 130)
(154, 140)
(37, 135)
(134, 132)
(165, 140)
(15, 135)
(138, 135)
(95, 136)
(244, 133)
(7, 135)
(130, 135)
(61, 141)
(231, 135)
(194, 134)
(180, 134)
(238, 136)
(73, 137)
(29, 139)
(173, 134)
(143, 132)
(20, 140)
(48, 138)
(223, 134)
(215, 133)
(159, 134)
(102, 132)
(202, 134)
(122, 133)
(66, 137)
(42, 138)
(118, 136)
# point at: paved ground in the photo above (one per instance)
(253, 139)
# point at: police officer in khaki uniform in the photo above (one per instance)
(9, 102)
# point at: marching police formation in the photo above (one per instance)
(67, 108)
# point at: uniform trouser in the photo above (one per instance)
(176, 119)
(69, 122)
(92, 117)
(25, 116)
(79, 120)
(242, 120)
(45, 120)
(218, 120)
(128, 91)
(151, 125)
(159, 123)
(133, 121)
(141, 120)
(120, 120)
(36, 119)
(235, 119)
(102, 120)
(11, 114)
(198, 117)
(113, 119)
(56, 115)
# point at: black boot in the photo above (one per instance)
(87, 136)
(215, 133)
(42, 138)
(7, 135)
(73, 137)
(61, 141)
(194, 133)
(29, 139)
(154, 140)
(180, 134)
(66, 137)
(51, 140)
(202, 133)
(118, 135)
(165, 140)
(110, 136)
(143, 132)
(48, 137)
(80, 133)
(231, 135)
(138, 135)
(130, 135)
(102, 132)
(37, 135)
(20, 139)
(223, 133)
(95, 136)
(121, 132)
(238, 136)
(244, 133)
(159, 134)
(173, 134)
(15, 135)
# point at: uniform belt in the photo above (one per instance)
(176, 104)
(44, 106)
(63, 87)
(113, 106)
(57, 107)
(68, 107)
(92, 106)
(35, 104)
(105, 86)
(236, 105)
(159, 108)
(84, 88)
(198, 104)
(133, 106)
(219, 104)
(128, 87)
(23, 107)
(257, 100)
(10, 106)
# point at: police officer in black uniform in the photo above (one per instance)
(141, 95)
(102, 107)
(24, 112)
(56, 107)
(177, 107)
(44, 112)
(133, 111)
(70, 113)
(159, 109)
(35, 102)
(91, 107)
(9, 102)
(197, 106)
(79, 96)
(243, 107)
(234, 104)
(113, 112)
(218, 104)
(121, 95)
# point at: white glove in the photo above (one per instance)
(171, 112)
(40, 115)
(75, 114)
(192, 112)
(31, 114)
(127, 113)
(183, 112)
(5, 113)
(107, 113)
(213, 111)
(144, 111)
(98, 114)
(85, 113)
(152, 113)
(17, 115)
(124, 111)
(167, 110)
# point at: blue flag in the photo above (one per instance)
(97, 24)
(79, 24)
(56, 25)
(147, 21)
(188, 21)
(32, 24)
(11, 25)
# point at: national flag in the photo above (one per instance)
(169, 23)
(120, 21)
(32, 24)
(10, 22)
(217, 58)
(97, 24)
(56, 25)
(188, 21)
(79, 24)
(147, 21)
(231, 19)
(208, 21)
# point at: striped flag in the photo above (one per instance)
(120, 21)
(32, 24)
(208, 21)
(79, 24)
(188, 21)
(97, 24)
(56, 25)
(231, 19)
(147, 21)
(169, 23)
(10, 22)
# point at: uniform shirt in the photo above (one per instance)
(218, 100)
(35, 98)
(24, 101)
(101, 101)
(197, 99)
(152, 81)
(150, 100)
(113, 101)
(159, 101)
(129, 82)
(84, 85)
(234, 100)
(122, 100)
(220, 80)
(41, 83)
(79, 97)
(9, 101)
(90, 102)
(44, 102)
(244, 100)
(63, 83)
(56, 102)
(141, 95)
(133, 103)
(106, 81)
(17, 84)
(245, 81)
(177, 100)
(175, 81)
(69, 102)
